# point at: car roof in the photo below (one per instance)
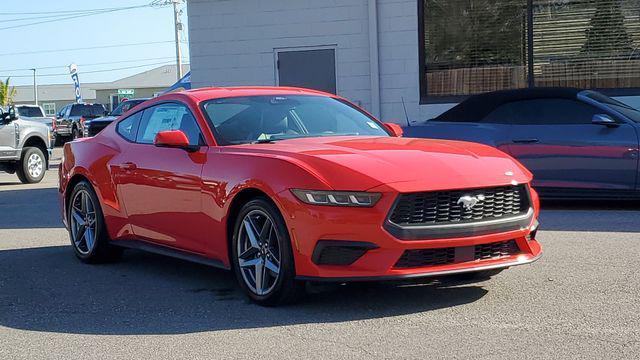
(477, 107)
(85, 104)
(224, 92)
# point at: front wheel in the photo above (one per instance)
(32, 166)
(262, 256)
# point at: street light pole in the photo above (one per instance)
(178, 28)
(35, 87)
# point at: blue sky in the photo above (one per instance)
(134, 26)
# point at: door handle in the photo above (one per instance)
(526, 141)
(129, 166)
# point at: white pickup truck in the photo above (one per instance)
(25, 146)
(35, 113)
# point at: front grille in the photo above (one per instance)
(426, 257)
(443, 207)
(455, 255)
(495, 250)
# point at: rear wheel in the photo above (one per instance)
(87, 230)
(75, 133)
(262, 256)
(32, 165)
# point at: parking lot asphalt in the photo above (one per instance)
(580, 300)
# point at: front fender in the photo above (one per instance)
(225, 175)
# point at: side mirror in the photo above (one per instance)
(173, 139)
(9, 116)
(106, 113)
(603, 119)
(395, 129)
(13, 113)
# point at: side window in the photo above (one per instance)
(562, 112)
(67, 111)
(543, 112)
(166, 117)
(509, 113)
(129, 127)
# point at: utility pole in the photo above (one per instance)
(35, 87)
(178, 27)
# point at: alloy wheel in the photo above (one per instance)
(259, 253)
(83, 222)
(35, 165)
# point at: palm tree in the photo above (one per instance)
(6, 93)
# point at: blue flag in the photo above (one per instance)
(73, 70)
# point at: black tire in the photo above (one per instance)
(75, 133)
(286, 289)
(101, 251)
(25, 171)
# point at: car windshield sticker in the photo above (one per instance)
(373, 125)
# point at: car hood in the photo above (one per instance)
(39, 120)
(403, 164)
(32, 122)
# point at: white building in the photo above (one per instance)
(413, 59)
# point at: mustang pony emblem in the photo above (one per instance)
(468, 201)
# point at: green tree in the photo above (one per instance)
(607, 35)
(7, 93)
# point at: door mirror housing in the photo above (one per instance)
(394, 129)
(10, 116)
(174, 139)
(604, 119)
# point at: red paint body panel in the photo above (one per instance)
(181, 199)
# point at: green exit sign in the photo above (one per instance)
(126, 92)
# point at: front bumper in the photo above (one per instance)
(501, 265)
(310, 225)
(63, 130)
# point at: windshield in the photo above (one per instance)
(87, 110)
(616, 105)
(29, 111)
(125, 106)
(242, 120)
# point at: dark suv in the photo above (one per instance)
(71, 118)
(93, 127)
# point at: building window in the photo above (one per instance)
(49, 109)
(474, 46)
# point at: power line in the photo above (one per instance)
(91, 47)
(79, 15)
(94, 71)
(45, 17)
(63, 11)
(90, 64)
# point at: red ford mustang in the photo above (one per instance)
(287, 185)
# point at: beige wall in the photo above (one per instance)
(59, 103)
(103, 96)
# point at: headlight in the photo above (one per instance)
(337, 198)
